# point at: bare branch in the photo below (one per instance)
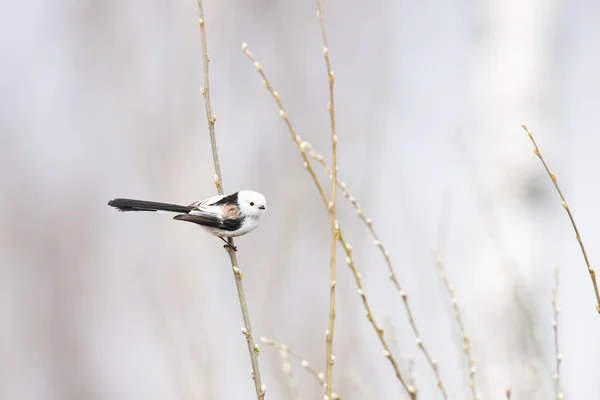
(237, 273)
(552, 176)
(332, 211)
(302, 147)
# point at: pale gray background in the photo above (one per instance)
(102, 99)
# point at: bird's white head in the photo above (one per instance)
(252, 204)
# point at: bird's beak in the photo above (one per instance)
(262, 208)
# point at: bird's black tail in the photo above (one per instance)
(142, 205)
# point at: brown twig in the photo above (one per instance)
(552, 176)
(206, 94)
(387, 352)
(246, 330)
(466, 341)
(557, 393)
(332, 211)
(302, 147)
(392, 275)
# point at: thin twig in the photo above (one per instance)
(508, 394)
(466, 341)
(302, 147)
(206, 94)
(552, 176)
(557, 393)
(253, 348)
(332, 211)
(392, 275)
(319, 376)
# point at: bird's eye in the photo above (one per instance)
(251, 203)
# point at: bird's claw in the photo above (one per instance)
(228, 246)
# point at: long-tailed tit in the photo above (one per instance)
(224, 216)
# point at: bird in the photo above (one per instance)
(224, 216)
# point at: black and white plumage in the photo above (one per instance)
(224, 216)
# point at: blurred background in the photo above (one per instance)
(102, 99)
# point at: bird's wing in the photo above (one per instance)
(202, 218)
(210, 219)
(201, 204)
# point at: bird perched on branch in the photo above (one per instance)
(224, 216)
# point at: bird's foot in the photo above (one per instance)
(227, 246)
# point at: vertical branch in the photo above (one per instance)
(433, 363)
(552, 176)
(466, 341)
(557, 393)
(206, 94)
(303, 146)
(253, 348)
(332, 211)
